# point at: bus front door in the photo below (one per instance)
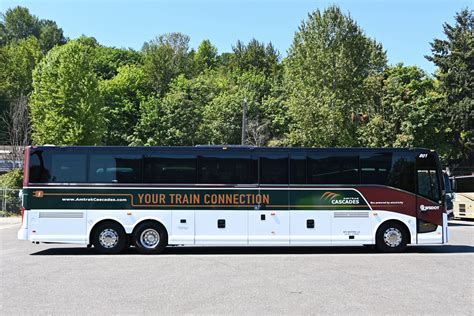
(431, 219)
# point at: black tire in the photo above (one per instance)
(150, 238)
(109, 238)
(392, 237)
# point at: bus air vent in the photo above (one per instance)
(61, 215)
(351, 214)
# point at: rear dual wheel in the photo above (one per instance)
(111, 238)
(150, 238)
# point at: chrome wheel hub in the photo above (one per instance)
(150, 238)
(392, 237)
(108, 238)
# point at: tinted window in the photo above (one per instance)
(115, 168)
(402, 173)
(170, 168)
(227, 169)
(386, 168)
(375, 167)
(427, 176)
(274, 169)
(464, 184)
(333, 168)
(427, 184)
(40, 163)
(57, 167)
(298, 169)
(69, 168)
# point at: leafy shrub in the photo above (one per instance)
(10, 183)
(12, 179)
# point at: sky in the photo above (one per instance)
(405, 28)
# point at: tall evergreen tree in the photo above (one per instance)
(454, 57)
(326, 71)
(18, 23)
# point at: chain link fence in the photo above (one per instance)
(10, 202)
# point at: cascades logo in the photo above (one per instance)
(329, 196)
(335, 198)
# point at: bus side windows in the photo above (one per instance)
(386, 168)
(375, 167)
(298, 169)
(56, 167)
(67, 168)
(333, 168)
(402, 174)
(170, 169)
(274, 169)
(114, 168)
(227, 169)
(40, 167)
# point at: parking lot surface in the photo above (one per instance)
(68, 279)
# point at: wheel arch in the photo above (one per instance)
(398, 221)
(102, 221)
(150, 220)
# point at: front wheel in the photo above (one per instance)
(150, 238)
(392, 237)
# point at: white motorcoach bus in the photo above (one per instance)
(151, 197)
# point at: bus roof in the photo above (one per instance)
(226, 147)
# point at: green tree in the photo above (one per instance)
(176, 119)
(50, 35)
(18, 60)
(110, 59)
(454, 58)
(148, 130)
(18, 23)
(122, 97)
(411, 113)
(326, 74)
(275, 111)
(12, 180)
(166, 57)
(255, 56)
(182, 112)
(205, 57)
(66, 105)
(222, 116)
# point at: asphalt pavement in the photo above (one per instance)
(68, 279)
